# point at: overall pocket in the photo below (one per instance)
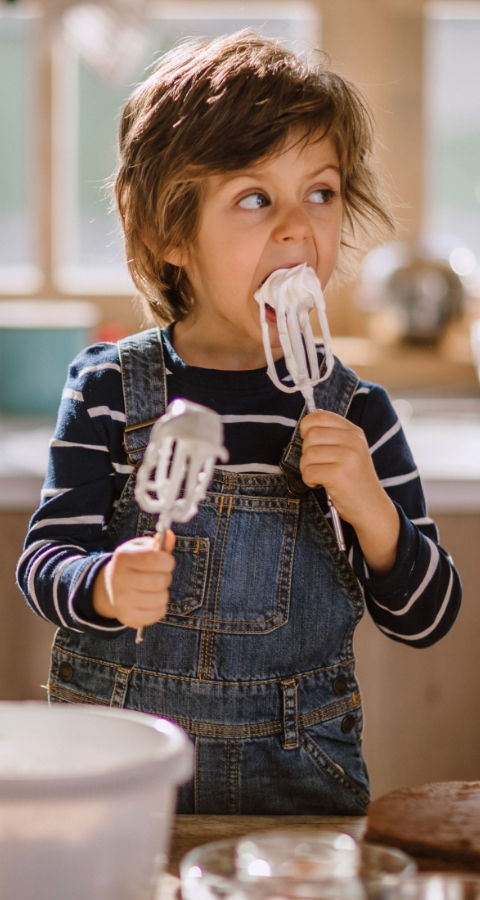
(234, 564)
(339, 761)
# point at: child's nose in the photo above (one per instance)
(292, 224)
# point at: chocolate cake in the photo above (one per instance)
(438, 824)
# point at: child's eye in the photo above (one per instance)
(255, 200)
(321, 195)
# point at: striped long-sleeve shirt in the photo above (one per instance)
(416, 602)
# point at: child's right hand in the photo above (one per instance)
(133, 586)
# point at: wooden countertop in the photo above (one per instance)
(191, 831)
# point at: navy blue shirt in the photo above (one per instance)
(415, 603)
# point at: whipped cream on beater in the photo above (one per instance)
(293, 294)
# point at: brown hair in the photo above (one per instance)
(215, 107)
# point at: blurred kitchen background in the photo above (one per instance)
(408, 318)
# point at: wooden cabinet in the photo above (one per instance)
(25, 639)
(421, 706)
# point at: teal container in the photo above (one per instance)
(38, 340)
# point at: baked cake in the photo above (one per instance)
(438, 824)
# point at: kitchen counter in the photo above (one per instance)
(23, 460)
(444, 434)
(192, 831)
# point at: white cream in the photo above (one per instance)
(178, 465)
(179, 461)
(293, 294)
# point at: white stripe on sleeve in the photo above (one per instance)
(99, 367)
(56, 580)
(423, 520)
(432, 566)
(77, 618)
(55, 442)
(47, 493)
(266, 420)
(386, 437)
(432, 627)
(30, 551)
(114, 414)
(70, 394)
(400, 479)
(68, 520)
(122, 468)
(362, 390)
(32, 574)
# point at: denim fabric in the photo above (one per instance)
(254, 658)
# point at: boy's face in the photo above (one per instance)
(274, 214)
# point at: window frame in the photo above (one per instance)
(55, 136)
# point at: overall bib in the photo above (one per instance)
(254, 658)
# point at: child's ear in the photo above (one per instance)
(175, 256)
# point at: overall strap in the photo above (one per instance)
(144, 388)
(335, 395)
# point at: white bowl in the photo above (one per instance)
(87, 798)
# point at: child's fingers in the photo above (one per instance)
(321, 418)
(323, 430)
(155, 562)
(140, 616)
(138, 578)
(158, 541)
(137, 607)
(148, 582)
(149, 553)
(169, 541)
(335, 454)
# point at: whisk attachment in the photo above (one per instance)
(178, 464)
(293, 294)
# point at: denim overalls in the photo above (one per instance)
(254, 658)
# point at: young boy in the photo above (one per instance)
(236, 159)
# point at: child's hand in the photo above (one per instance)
(133, 586)
(336, 455)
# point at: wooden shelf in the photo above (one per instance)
(446, 369)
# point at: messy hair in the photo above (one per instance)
(218, 106)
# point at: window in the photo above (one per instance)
(83, 253)
(19, 250)
(452, 74)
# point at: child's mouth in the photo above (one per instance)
(270, 314)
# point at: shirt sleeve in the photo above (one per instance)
(67, 541)
(418, 600)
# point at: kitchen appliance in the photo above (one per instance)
(38, 340)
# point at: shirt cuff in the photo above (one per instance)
(394, 586)
(82, 602)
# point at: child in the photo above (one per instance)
(236, 159)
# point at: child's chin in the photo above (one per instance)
(276, 348)
(274, 336)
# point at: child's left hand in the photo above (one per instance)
(336, 455)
